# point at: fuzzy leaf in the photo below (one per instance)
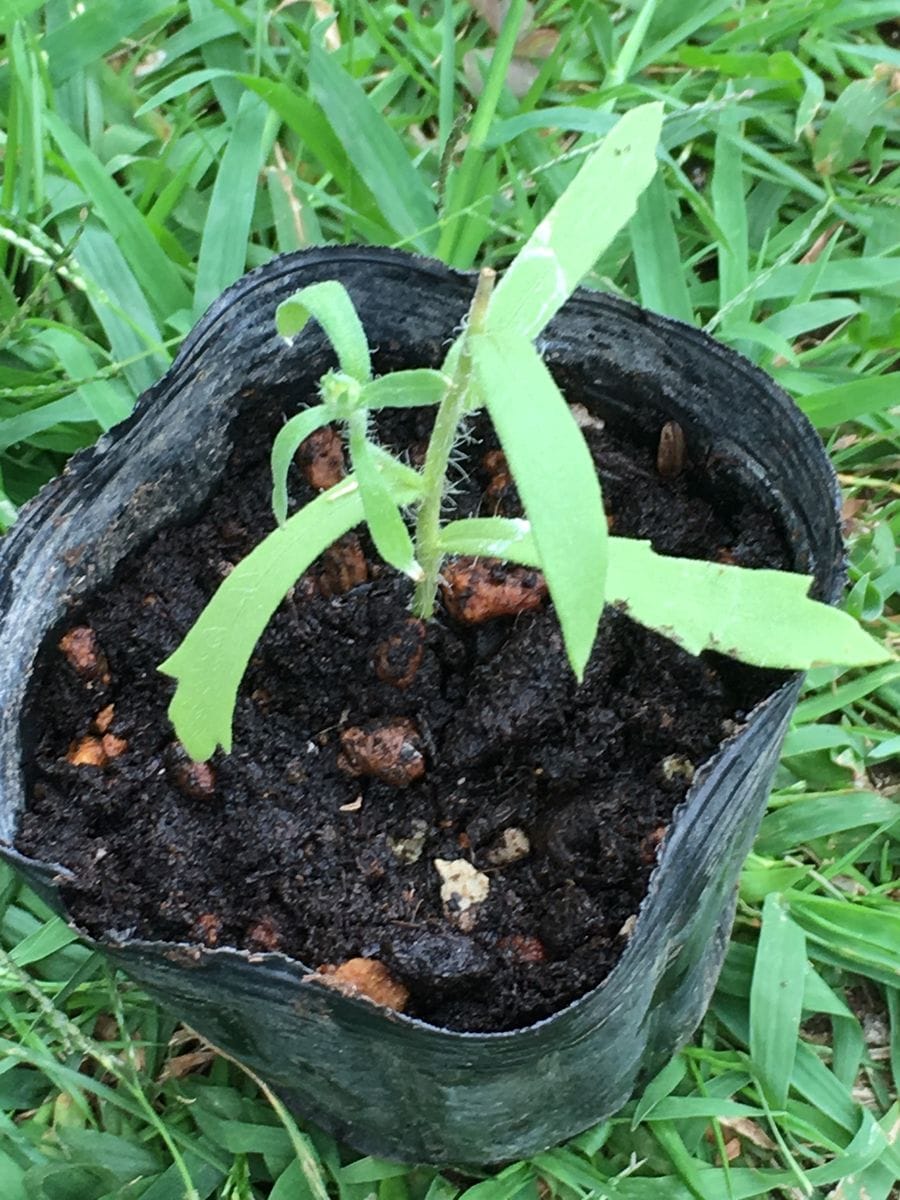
(288, 440)
(211, 661)
(581, 224)
(405, 389)
(383, 516)
(329, 303)
(761, 616)
(507, 538)
(556, 479)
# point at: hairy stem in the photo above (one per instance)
(443, 437)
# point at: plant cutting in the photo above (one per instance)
(387, 1082)
(763, 617)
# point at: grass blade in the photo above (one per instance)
(776, 999)
(377, 152)
(223, 248)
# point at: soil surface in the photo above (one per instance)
(499, 767)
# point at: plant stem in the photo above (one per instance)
(443, 437)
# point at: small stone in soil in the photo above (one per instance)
(442, 962)
(366, 977)
(409, 849)
(113, 746)
(263, 935)
(88, 752)
(675, 767)
(389, 751)
(104, 718)
(83, 654)
(321, 458)
(521, 948)
(398, 658)
(207, 928)
(196, 780)
(463, 886)
(511, 846)
(477, 590)
(649, 847)
(344, 566)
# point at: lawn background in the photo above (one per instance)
(152, 151)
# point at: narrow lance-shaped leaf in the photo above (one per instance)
(556, 479)
(383, 517)
(405, 389)
(763, 617)
(581, 224)
(507, 538)
(288, 440)
(330, 304)
(211, 661)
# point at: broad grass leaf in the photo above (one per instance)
(811, 817)
(861, 106)
(287, 442)
(556, 479)
(329, 303)
(849, 401)
(662, 278)
(776, 999)
(226, 231)
(160, 281)
(581, 224)
(377, 152)
(763, 617)
(93, 31)
(210, 662)
(860, 937)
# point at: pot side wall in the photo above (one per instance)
(387, 1084)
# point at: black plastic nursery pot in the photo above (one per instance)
(384, 1082)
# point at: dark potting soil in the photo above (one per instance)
(559, 794)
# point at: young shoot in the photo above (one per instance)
(764, 617)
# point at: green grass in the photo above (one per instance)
(154, 150)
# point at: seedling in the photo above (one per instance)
(763, 617)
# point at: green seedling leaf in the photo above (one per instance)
(763, 617)
(555, 475)
(579, 227)
(508, 538)
(405, 389)
(329, 303)
(383, 517)
(287, 442)
(776, 999)
(211, 661)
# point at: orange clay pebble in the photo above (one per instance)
(477, 590)
(83, 653)
(389, 752)
(88, 752)
(343, 566)
(321, 458)
(366, 977)
(398, 658)
(113, 746)
(104, 717)
(264, 935)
